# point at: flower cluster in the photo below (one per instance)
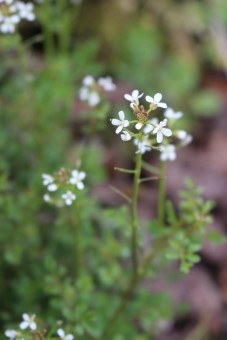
(149, 132)
(12, 12)
(66, 184)
(29, 323)
(91, 90)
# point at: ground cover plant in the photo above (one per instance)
(75, 266)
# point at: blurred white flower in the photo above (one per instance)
(28, 322)
(170, 114)
(139, 125)
(107, 83)
(77, 178)
(185, 137)
(47, 198)
(68, 197)
(8, 23)
(156, 101)
(142, 145)
(88, 80)
(168, 152)
(11, 334)
(134, 97)
(161, 131)
(63, 336)
(125, 136)
(47, 179)
(25, 10)
(93, 98)
(121, 122)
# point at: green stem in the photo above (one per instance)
(78, 245)
(161, 194)
(134, 217)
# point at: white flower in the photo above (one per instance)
(122, 122)
(134, 97)
(155, 102)
(28, 322)
(77, 178)
(170, 114)
(143, 145)
(125, 136)
(25, 11)
(10, 333)
(168, 152)
(184, 137)
(160, 130)
(68, 197)
(88, 80)
(63, 336)
(8, 23)
(47, 179)
(8, 2)
(107, 83)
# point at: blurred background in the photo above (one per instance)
(176, 47)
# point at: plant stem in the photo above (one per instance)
(78, 245)
(162, 193)
(134, 218)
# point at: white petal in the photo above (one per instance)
(33, 325)
(157, 97)
(119, 129)
(121, 115)
(128, 97)
(69, 337)
(149, 99)
(74, 173)
(166, 132)
(138, 126)
(80, 185)
(115, 121)
(26, 317)
(82, 175)
(23, 325)
(126, 123)
(159, 137)
(163, 105)
(60, 332)
(135, 94)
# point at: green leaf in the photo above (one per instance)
(215, 237)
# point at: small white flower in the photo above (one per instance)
(77, 178)
(168, 152)
(156, 101)
(28, 322)
(125, 136)
(68, 197)
(161, 131)
(8, 2)
(184, 137)
(88, 80)
(25, 11)
(63, 336)
(170, 114)
(12, 334)
(134, 97)
(8, 23)
(107, 83)
(121, 123)
(47, 179)
(143, 145)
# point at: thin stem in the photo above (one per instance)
(162, 193)
(77, 240)
(134, 218)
